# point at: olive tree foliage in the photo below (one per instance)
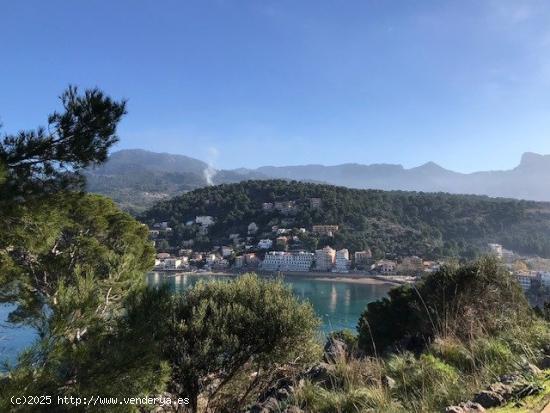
(228, 339)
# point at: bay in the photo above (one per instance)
(337, 303)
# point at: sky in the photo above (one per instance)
(465, 84)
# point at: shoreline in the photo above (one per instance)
(351, 278)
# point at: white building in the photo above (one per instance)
(496, 249)
(173, 263)
(265, 244)
(525, 280)
(324, 259)
(204, 220)
(211, 258)
(287, 261)
(342, 262)
(226, 251)
(239, 262)
(544, 278)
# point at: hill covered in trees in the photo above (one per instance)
(135, 179)
(388, 222)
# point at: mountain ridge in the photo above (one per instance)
(136, 178)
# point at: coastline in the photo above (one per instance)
(351, 278)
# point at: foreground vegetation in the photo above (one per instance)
(73, 266)
(439, 344)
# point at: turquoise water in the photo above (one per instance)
(13, 338)
(339, 304)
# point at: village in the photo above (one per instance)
(281, 250)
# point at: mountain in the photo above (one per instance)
(430, 225)
(136, 178)
(529, 180)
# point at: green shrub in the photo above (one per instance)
(453, 352)
(493, 356)
(348, 337)
(314, 398)
(426, 383)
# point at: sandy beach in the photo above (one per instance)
(353, 278)
(356, 280)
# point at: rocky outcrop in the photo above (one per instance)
(468, 407)
(335, 350)
(509, 386)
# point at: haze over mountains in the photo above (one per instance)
(136, 178)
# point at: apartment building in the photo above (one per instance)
(342, 261)
(325, 258)
(287, 261)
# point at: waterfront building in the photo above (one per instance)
(287, 261)
(324, 259)
(526, 279)
(226, 251)
(239, 261)
(211, 258)
(342, 261)
(544, 278)
(173, 263)
(251, 259)
(362, 257)
(386, 266)
(410, 265)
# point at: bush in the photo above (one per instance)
(314, 398)
(463, 302)
(453, 352)
(424, 384)
(348, 337)
(221, 331)
(493, 356)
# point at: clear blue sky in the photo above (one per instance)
(247, 83)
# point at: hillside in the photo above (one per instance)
(135, 179)
(403, 223)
